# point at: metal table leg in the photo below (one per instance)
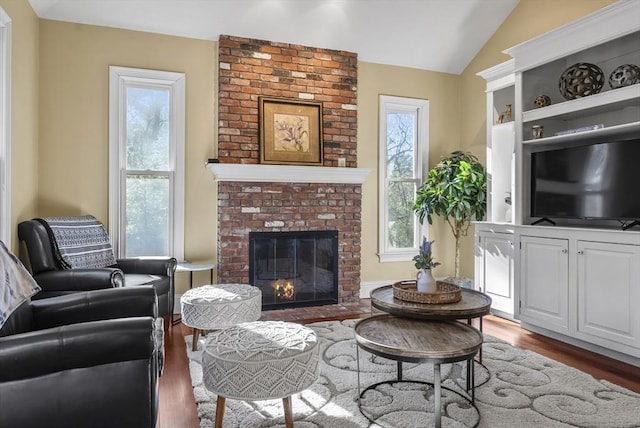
(437, 391)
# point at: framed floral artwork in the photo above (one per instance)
(290, 131)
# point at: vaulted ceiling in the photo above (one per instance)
(437, 35)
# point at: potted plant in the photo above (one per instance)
(455, 189)
(424, 262)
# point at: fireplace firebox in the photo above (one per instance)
(294, 269)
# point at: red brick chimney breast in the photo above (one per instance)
(248, 69)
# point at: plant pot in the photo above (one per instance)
(426, 282)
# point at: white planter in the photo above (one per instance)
(426, 282)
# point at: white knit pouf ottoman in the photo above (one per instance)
(214, 307)
(260, 360)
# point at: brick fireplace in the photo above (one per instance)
(273, 198)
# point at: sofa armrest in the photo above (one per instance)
(37, 353)
(95, 305)
(160, 266)
(73, 280)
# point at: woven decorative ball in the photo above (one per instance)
(542, 101)
(624, 75)
(581, 80)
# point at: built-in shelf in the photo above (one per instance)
(619, 131)
(504, 125)
(626, 97)
(287, 173)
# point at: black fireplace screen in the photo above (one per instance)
(294, 268)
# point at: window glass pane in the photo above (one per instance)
(147, 216)
(400, 144)
(404, 148)
(400, 214)
(147, 129)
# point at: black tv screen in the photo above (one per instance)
(597, 181)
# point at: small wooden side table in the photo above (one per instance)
(195, 267)
(414, 340)
(473, 304)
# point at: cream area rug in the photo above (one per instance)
(516, 389)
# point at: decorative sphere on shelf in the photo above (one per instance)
(542, 101)
(581, 80)
(624, 75)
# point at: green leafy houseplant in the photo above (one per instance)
(456, 189)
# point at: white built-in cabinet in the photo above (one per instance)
(494, 238)
(500, 141)
(608, 276)
(577, 281)
(544, 282)
(494, 268)
(607, 38)
(580, 283)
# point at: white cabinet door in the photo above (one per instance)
(609, 292)
(497, 280)
(500, 172)
(544, 282)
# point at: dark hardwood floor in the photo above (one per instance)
(178, 408)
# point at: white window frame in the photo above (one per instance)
(5, 128)
(420, 107)
(120, 78)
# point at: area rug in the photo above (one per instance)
(517, 388)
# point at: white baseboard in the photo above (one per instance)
(367, 287)
(620, 356)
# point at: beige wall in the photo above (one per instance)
(441, 90)
(71, 147)
(74, 91)
(24, 112)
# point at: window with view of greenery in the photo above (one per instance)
(147, 173)
(403, 153)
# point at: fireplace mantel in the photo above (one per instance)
(287, 173)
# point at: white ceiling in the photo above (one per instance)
(438, 35)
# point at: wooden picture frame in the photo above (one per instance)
(290, 132)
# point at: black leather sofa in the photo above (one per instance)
(40, 259)
(87, 359)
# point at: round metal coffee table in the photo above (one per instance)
(414, 340)
(473, 304)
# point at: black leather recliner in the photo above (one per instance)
(84, 359)
(55, 280)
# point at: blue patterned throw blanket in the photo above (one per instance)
(16, 284)
(80, 242)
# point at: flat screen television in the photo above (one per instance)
(595, 181)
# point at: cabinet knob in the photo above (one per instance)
(564, 251)
(580, 252)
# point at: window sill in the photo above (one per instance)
(404, 256)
